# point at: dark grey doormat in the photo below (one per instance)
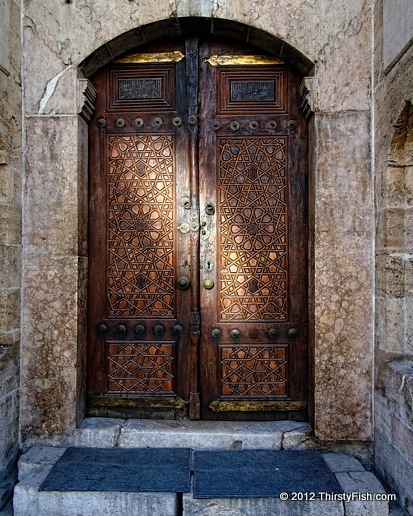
(119, 469)
(261, 474)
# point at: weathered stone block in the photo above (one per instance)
(5, 31)
(391, 274)
(9, 428)
(402, 436)
(9, 370)
(408, 231)
(10, 223)
(383, 415)
(9, 309)
(408, 178)
(390, 320)
(37, 459)
(408, 342)
(343, 278)
(339, 462)
(54, 206)
(51, 319)
(397, 24)
(10, 266)
(204, 435)
(297, 438)
(408, 268)
(99, 432)
(396, 191)
(359, 482)
(5, 181)
(10, 338)
(28, 502)
(343, 61)
(393, 468)
(390, 231)
(258, 507)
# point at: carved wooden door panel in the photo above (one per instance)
(139, 263)
(197, 298)
(252, 170)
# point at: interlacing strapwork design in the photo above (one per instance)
(253, 371)
(253, 224)
(141, 214)
(145, 367)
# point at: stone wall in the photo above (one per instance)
(325, 38)
(393, 86)
(10, 238)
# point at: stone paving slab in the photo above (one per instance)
(259, 507)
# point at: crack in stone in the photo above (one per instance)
(50, 89)
(119, 433)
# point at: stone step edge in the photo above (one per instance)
(131, 433)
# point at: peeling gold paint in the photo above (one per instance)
(256, 406)
(159, 57)
(145, 403)
(216, 60)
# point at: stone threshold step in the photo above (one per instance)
(197, 435)
(36, 464)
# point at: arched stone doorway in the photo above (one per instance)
(198, 235)
(57, 110)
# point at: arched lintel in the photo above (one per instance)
(196, 26)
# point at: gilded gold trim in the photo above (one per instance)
(144, 403)
(159, 57)
(256, 406)
(216, 60)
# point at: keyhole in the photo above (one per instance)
(209, 266)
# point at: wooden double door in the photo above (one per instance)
(197, 303)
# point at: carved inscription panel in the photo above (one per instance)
(244, 91)
(137, 89)
(258, 90)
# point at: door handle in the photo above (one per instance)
(208, 283)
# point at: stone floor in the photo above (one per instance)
(96, 432)
(38, 461)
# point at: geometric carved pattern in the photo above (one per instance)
(253, 371)
(141, 213)
(253, 228)
(142, 368)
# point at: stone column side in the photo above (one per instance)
(55, 264)
(10, 241)
(343, 275)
